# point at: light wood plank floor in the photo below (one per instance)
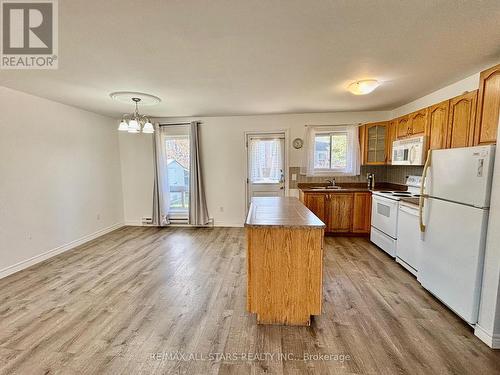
(108, 306)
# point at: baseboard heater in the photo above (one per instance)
(185, 222)
(176, 221)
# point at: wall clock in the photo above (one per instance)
(298, 143)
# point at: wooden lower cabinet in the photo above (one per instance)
(361, 214)
(316, 202)
(347, 213)
(339, 212)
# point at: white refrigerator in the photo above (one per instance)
(457, 190)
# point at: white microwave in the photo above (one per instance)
(410, 151)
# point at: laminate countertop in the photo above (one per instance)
(340, 190)
(280, 212)
(348, 187)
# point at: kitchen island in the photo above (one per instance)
(285, 261)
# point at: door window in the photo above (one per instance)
(266, 164)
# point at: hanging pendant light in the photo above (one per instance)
(123, 126)
(148, 128)
(135, 122)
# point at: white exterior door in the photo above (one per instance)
(266, 165)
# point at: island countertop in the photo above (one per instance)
(281, 212)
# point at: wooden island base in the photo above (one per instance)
(285, 261)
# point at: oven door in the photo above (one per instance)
(385, 215)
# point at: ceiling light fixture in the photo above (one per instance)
(135, 122)
(363, 87)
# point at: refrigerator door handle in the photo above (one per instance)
(480, 166)
(422, 196)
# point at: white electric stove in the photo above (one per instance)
(385, 208)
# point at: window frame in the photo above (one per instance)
(331, 134)
(182, 132)
(353, 155)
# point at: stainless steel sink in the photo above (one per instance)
(326, 188)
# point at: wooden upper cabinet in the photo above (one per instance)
(403, 126)
(339, 208)
(375, 143)
(417, 122)
(437, 125)
(362, 143)
(392, 135)
(317, 204)
(488, 107)
(461, 120)
(361, 215)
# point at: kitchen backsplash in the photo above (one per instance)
(395, 174)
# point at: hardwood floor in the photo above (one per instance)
(108, 306)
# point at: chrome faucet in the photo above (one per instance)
(332, 182)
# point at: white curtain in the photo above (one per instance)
(198, 211)
(161, 189)
(353, 159)
(266, 155)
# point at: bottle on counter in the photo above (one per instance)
(370, 177)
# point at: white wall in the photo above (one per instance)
(223, 158)
(470, 83)
(136, 154)
(60, 180)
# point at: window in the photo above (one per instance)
(177, 155)
(266, 164)
(332, 151)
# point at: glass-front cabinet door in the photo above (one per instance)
(376, 139)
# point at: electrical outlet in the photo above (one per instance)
(294, 176)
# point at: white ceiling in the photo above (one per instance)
(251, 57)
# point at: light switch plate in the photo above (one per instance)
(294, 176)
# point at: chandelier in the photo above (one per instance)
(135, 122)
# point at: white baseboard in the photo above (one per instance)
(492, 340)
(134, 224)
(230, 225)
(58, 250)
